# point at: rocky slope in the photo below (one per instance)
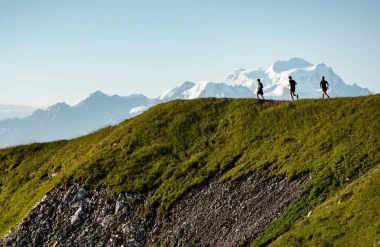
(212, 214)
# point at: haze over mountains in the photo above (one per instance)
(11, 111)
(62, 121)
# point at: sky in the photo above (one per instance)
(61, 51)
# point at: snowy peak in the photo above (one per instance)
(308, 83)
(307, 76)
(293, 63)
(190, 90)
(176, 92)
(218, 90)
(247, 78)
(61, 121)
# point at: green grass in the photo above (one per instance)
(174, 146)
(350, 218)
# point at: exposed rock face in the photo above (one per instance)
(213, 214)
(221, 215)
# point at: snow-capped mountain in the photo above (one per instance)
(190, 90)
(247, 78)
(307, 76)
(62, 121)
(176, 92)
(218, 90)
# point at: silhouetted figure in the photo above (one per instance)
(325, 86)
(259, 89)
(292, 84)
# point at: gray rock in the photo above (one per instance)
(120, 204)
(107, 220)
(67, 197)
(127, 228)
(76, 218)
(82, 193)
(217, 214)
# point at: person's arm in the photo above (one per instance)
(328, 85)
(320, 84)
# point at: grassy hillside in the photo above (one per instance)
(174, 146)
(350, 218)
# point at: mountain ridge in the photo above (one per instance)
(100, 109)
(160, 156)
(307, 75)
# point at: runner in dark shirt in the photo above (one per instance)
(259, 89)
(292, 84)
(325, 86)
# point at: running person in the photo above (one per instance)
(259, 89)
(292, 84)
(324, 85)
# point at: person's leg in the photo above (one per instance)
(325, 93)
(291, 94)
(257, 95)
(294, 93)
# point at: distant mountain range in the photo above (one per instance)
(307, 76)
(12, 111)
(62, 121)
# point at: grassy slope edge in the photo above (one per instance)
(174, 146)
(350, 218)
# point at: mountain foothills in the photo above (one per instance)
(62, 121)
(203, 172)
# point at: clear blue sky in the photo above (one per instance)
(54, 51)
